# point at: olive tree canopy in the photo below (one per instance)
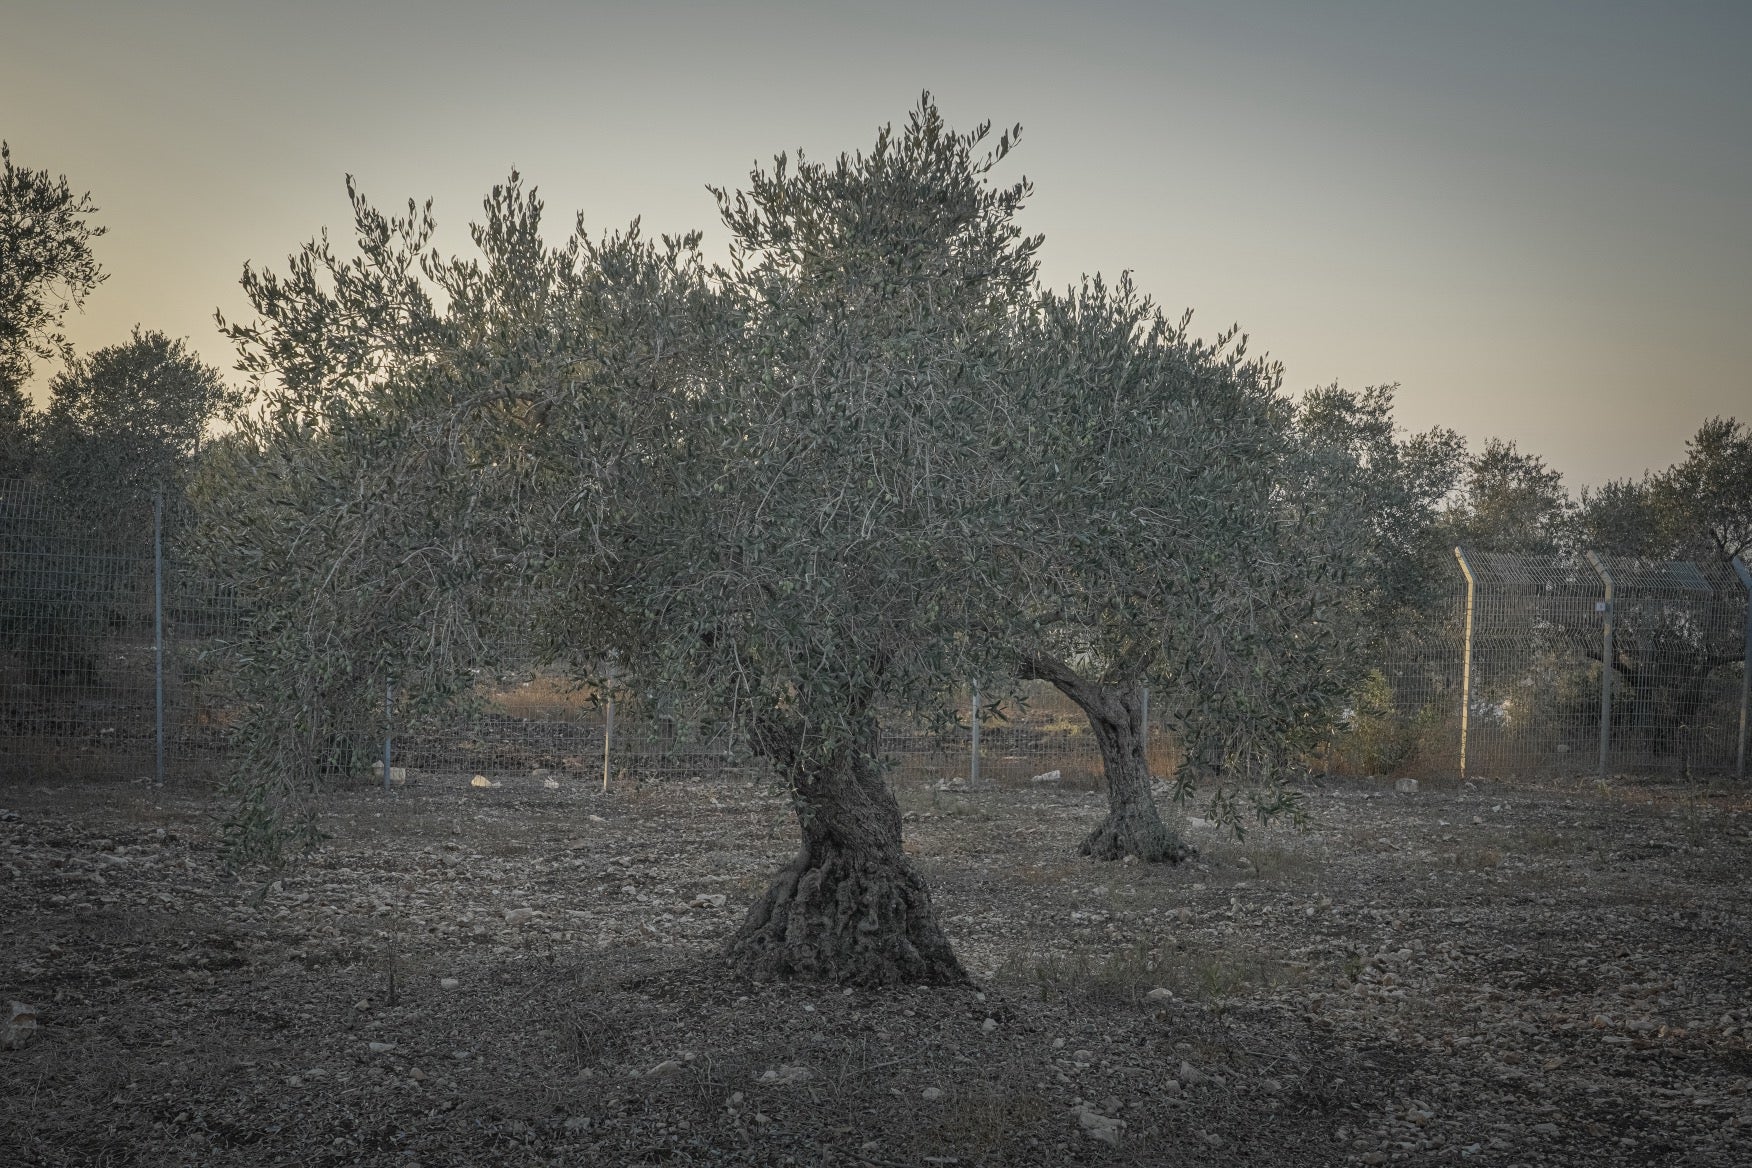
(1174, 523)
(749, 485)
(46, 267)
(127, 419)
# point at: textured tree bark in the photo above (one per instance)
(851, 908)
(1133, 826)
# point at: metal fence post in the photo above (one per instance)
(973, 766)
(1745, 575)
(388, 730)
(158, 631)
(1144, 716)
(1604, 607)
(1466, 656)
(607, 740)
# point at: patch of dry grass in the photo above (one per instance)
(1128, 974)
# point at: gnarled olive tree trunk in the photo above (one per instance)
(851, 908)
(1133, 826)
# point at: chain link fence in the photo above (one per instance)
(109, 666)
(1404, 719)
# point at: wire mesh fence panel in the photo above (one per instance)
(76, 641)
(1404, 720)
(1535, 686)
(1031, 733)
(540, 722)
(1539, 640)
(1043, 737)
(199, 615)
(85, 590)
(1677, 657)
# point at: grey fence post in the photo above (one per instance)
(1466, 656)
(158, 631)
(1604, 607)
(388, 730)
(973, 765)
(1745, 575)
(607, 740)
(1144, 716)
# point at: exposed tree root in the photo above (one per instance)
(854, 919)
(1141, 834)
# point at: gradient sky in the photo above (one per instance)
(1534, 215)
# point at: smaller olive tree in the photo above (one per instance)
(1169, 529)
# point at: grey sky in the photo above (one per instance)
(1534, 216)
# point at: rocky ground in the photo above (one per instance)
(1491, 974)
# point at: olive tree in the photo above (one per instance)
(46, 267)
(1171, 529)
(744, 487)
(768, 516)
(836, 480)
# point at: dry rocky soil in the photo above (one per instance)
(1485, 974)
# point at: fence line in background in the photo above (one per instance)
(1647, 660)
(1604, 608)
(104, 639)
(1466, 655)
(1745, 576)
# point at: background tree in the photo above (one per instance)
(46, 267)
(1510, 502)
(1698, 509)
(1395, 482)
(1396, 608)
(127, 420)
(1173, 522)
(122, 425)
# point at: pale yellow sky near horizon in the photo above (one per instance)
(1533, 216)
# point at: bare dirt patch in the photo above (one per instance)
(523, 975)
